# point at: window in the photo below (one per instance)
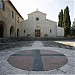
(37, 19)
(12, 14)
(50, 30)
(2, 5)
(24, 31)
(18, 19)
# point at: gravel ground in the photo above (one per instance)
(15, 44)
(55, 44)
(29, 43)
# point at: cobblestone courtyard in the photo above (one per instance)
(37, 58)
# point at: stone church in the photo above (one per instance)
(38, 26)
(13, 24)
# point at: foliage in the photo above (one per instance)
(60, 16)
(64, 21)
(73, 31)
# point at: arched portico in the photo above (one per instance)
(3, 29)
(18, 33)
(12, 31)
(37, 31)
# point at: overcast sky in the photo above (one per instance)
(50, 7)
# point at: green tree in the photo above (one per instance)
(66, 21)
(60, 17)
(73, 30)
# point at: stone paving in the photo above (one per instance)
(70, 43)
(8, 69)
(37, 60)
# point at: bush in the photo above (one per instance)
(46, 35)
(28, 35)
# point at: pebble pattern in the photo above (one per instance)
(37, 60)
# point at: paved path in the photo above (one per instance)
(37, 44)
(7, 69)
(71, 43)
(37, 65)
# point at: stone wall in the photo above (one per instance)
(43, 24)
(60, 31)
(6, 17)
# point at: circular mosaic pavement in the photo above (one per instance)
(37, 60)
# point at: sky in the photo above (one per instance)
(50, 7)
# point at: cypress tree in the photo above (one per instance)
(66, 21)
(60, 17)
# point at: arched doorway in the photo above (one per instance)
(2, 29)
(12, 31)
(37, 31)
(18, 33)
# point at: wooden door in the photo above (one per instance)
(37, 33)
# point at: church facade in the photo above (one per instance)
(38, 26)
(12, 23)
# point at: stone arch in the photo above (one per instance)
(37, 31)
(3, 29)
(37, 27)
(12, 31)
(18, 33)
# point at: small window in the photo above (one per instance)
(37, 19)
(50, 30)
(2, 5)
(24, 31)
(12, 14)
(18, 19)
